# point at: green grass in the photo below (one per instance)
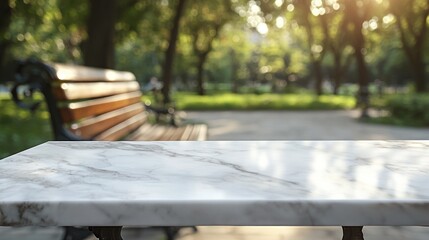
(267, 101)
(19, 129)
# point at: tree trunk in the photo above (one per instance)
(200, 74)
(414, 48)
(5, 20)
(358, 43)
(167, 70)
(184, 79)
(234, 68)
(99, 48)
(417, 63)
(316, 58)
(318, 76)
(363, 79)
(419, 69)
(337, 73)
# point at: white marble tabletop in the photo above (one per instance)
(217, 183)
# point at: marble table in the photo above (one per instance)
(253, 183)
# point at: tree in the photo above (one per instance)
(231, 51)
(95, 28)
(357, 11)
(334, 28)
(234, 67)
(5, 20)
(167, 69)
(316, 45)
(204, 25)
(99, 47)
(412, 23)
(18, 20)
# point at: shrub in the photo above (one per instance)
(409, 108)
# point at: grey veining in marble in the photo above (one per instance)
(217, 183)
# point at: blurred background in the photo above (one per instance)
(229, 55)
(359, 68)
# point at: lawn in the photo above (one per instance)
(266, 101)
(21, 129)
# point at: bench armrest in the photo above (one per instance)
(33, 76)
(28, 93)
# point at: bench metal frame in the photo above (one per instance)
(114, 233)
(38, 76)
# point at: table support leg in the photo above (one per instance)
(353, 233)
(107, 233)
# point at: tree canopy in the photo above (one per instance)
(230, 45)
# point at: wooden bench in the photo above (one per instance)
(95, 104)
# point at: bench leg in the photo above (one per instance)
(172, 232)
(74, 233)
(107, 233)
(353, 233)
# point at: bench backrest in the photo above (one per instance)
(87, 103)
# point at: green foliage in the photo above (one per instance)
(38, 29)
(135, 56)
(54, 30)
(262, 43)
(267, 101)
(410, 109)
(19, 129)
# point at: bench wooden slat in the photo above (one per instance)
(198, 133)
(153, 134)
(202, 133)
(186, 133)
(122, 129)
(78, 110)
(144, 130)
(93, 126)
(177, 134)
(73, 91)
(168, 133)
(194, 133)
(140, 131)
(72, 73)
(163, 133)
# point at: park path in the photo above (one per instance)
(272, 125)
(299, 125)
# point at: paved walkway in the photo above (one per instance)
(272, 125)
(299, 125)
